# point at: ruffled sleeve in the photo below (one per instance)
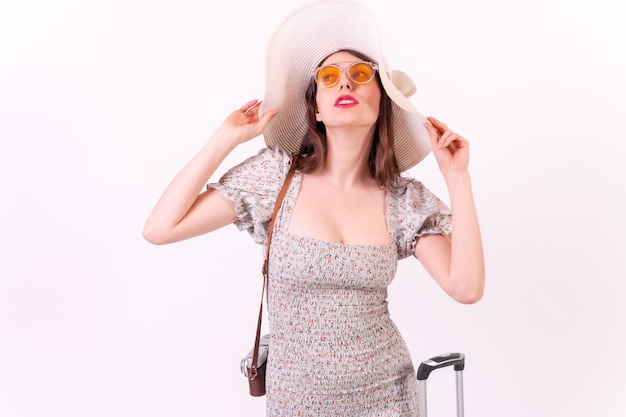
(253, 186)
(415, 211)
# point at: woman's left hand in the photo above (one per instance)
(451, 149)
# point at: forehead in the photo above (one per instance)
(340, 57)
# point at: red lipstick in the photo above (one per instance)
(346, 100)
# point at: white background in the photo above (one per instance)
(101, 103)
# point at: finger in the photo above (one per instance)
(439, 138)
(252, 112)
(433, 133)
(249, 106)
(439, 125)
(266, 118)
(448, 138)
(435, 137)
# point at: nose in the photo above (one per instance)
(345, 80)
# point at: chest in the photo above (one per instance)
(353, 216)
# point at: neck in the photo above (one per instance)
(347, 158)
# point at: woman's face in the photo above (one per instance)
(347, 103)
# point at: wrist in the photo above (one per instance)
(455, 176)
(222, 141)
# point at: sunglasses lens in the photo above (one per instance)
(328, 75)
(361, 72)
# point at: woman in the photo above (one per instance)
(348, 215)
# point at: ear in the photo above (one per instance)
(318, 117)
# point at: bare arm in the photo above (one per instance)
(184, 211)
(456, 263)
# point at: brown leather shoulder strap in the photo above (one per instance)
(279, 200)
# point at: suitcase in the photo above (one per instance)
(442, 361)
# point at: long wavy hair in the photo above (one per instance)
(382, 162)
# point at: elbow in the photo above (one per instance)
(154, 235)
(470, 293)
(470, 297)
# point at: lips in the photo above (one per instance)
(346, 101)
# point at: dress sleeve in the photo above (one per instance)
(415, 211)
(253, 186)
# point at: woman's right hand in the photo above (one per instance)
(245, 124)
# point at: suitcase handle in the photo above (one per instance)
(441, 361)
(450, 359)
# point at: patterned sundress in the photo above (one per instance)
(334, 350)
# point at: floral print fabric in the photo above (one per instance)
(334, 350)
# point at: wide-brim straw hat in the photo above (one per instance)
(300, 42)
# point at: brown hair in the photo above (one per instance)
(382, 162)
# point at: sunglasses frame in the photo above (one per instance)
(372, 65)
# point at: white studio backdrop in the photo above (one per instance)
(101, 103)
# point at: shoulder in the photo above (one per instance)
(413, 211)
(409, 193)
(265, 160)
(266, 169)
